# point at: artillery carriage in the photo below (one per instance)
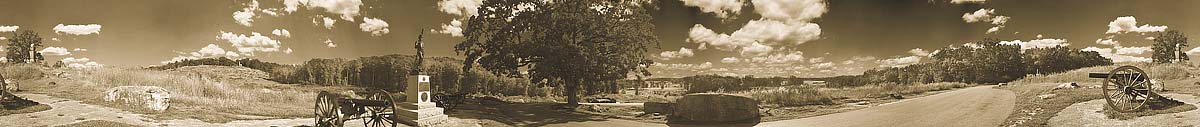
(1127, 88)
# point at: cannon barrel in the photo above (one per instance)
(1105, 75)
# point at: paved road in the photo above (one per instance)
(971, 107)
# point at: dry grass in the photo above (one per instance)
(789, 96)
(189, 91)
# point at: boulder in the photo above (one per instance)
(1066, 86)
(715, 107)
(152, 97)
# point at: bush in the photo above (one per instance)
(790, 96)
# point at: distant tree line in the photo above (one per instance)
(985, 61)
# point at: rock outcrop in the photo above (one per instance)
(715, 107)
(151, 97)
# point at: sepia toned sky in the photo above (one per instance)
(803, 38)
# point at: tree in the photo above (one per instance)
(1167, 44)
(22, 44)
(576, 41)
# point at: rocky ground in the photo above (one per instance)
(1091, 113)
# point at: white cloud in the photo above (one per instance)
(1116, 58)
(967, 1)
(682, 66)
(348, 9)
(722, 8)
(1108, 42)
(989, 16)
(1039, 36)
(9, 28)
(377, 27)
(1039, 43)
(329, 43)
(824, 65)
(816, 60)
(756, 49)
(324, 21)
(282, 33)
(792, 57)
(919, 52)
(734, 60)
(790, 10)
(773, 32)
(247, 45)
(209, 51)
(460, 7)
(78, 29)
(1129, 24)
(80, 50)
(81, 63)
(454, 28)
(682, 53)
(900, 62)
(1194, 51)
(55, 51)
(246, 15)
(1132, 50)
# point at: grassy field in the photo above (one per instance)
(1032, 110)
(205, 95)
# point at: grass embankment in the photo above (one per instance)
(1032, 110)
(207, 97)
(802, 102)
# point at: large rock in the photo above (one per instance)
(152, 97)
(715, 107)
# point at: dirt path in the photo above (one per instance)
(1087, 114)
(66, 111)
(979, 106)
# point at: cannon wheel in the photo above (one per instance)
(1127, 88)
(326, 110)
(446, 101)
(381, 116)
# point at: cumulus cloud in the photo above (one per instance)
(454, 28)
(989, 16)
(784, 23)
(900, 62)
(324, 21)
(825, 65)
(683, 66)
(282, 33)
(9, 28)
(329, 43)
(1117, 58)
(1039, 43)
(722, 8)
(81, 63)
(1108, 42)
(790, 10)
(55, 51)
(682, 53)
(816, 60)
(209, 51)
(377, 27)
(246, 15)
(460, 7)
(779, 58)
(1132, 50)
(78, 29)
(80, 50)
(249, 44)
(736, 60)
(918, 52)
(348, 9)
(1128, 24)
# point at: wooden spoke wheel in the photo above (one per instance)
(381, 116)
(326, 110)
(1127, 88)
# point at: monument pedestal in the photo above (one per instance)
(417, 109)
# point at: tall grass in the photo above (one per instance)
(1156, 71)
(199, 93)
(790, 96)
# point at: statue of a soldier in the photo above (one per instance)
(420, 53)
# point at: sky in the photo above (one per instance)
(803, 38)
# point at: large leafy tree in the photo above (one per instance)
(1168, 43)
(577, 42)
(21, 44)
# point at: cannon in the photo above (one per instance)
(1126, 88)
(377, 109)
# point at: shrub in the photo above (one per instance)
(24, 72)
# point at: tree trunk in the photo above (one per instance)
(572, 89)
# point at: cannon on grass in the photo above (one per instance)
(376, 110)
(1127, 88)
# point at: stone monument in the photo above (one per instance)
(418, 108)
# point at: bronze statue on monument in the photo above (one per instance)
(420, 56)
